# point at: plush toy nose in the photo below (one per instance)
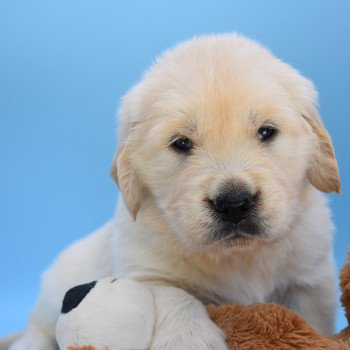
(75, 295)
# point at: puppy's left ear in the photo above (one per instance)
(323, 172)
(127, 179)
(123, 170)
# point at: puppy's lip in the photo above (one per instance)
(218, 236)
(249, 229)
(233, 239)
(236, 235)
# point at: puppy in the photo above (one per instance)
(221, 162)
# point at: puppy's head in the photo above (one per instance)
(225, 140)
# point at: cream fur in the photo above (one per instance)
(216, 90)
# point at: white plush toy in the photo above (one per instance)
(113, 314)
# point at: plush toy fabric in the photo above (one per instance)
(268, 327)
(111, 314)
(271, 326)
(90, 322)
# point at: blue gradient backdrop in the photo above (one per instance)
(63, 67)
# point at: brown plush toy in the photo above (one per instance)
(255, 327)
(271, 326)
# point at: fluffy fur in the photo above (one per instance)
(259, 326)
(271, 326)
(217, 91)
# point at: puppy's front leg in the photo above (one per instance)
(183, 322)
(85, 261)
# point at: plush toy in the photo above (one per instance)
(111, 314)
(119, 314)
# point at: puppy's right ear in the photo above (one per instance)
(323, 173)
(124, 174)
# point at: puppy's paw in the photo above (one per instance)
(34, 339)
(197, 336)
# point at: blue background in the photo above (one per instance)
(63, 67)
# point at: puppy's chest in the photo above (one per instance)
(237, 285)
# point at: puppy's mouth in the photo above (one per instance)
(231, 233)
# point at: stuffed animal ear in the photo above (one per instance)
(127, 179)
(323, 172)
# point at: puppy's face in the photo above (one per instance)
(224, 140)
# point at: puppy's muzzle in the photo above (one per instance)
(234, 205)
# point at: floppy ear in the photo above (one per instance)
(323, 172)
(122, 170)
(127, 179)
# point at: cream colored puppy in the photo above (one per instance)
(221, 162)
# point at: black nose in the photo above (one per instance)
(234, 206)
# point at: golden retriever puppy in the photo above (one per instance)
(221, 162)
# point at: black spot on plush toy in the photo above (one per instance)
(111, 314)
(75, 295)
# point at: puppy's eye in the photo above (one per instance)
(266, 133)
(182, 144)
